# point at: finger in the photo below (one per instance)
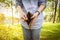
(30, 25)
(32, 22)
(26, 17)
(32, 17)
(23, 18)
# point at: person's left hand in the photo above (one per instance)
(35, 15)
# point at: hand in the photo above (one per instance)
(35, 15)
(24, 16)
(32, 22)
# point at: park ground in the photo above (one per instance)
(49, 31)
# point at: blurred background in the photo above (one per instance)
(10, 27)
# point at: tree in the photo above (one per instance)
(56, 2)
(58, 18)
(8, 3)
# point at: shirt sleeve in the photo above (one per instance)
(43, 2)
(18, 2)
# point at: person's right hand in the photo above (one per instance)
(24, 16)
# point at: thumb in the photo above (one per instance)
(25, 17)
(32, 17)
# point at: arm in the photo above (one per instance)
(40, 9)
(42, 5)
(19, 8)
(36, 15)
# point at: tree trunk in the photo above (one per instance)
(56, 2)
(12, 12)
(59, 11)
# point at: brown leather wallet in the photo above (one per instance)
(29, 15)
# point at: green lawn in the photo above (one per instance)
(49, 31)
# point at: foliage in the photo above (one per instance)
(12, 32)
(5, 2)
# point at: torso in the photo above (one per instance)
(30, 5)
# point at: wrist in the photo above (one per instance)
(38, 12)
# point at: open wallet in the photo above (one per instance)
(29, 15)
(30, 21)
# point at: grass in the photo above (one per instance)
(49, 31)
